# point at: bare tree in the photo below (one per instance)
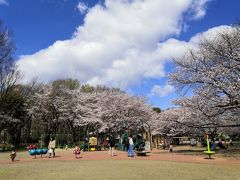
(9, 76)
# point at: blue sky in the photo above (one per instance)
(121, 43)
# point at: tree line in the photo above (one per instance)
(210, 71)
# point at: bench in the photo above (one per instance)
(142, 153)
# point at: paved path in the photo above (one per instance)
(67, 155)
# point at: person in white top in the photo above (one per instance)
(51, 147)
(130, 149)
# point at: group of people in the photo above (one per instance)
(129, 145)
(111, 146)
(51, 150)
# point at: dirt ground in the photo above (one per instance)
(161, 155)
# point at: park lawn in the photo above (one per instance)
(6, 155)
(116, 169)
(230, 152)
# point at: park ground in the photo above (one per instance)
(184, 163)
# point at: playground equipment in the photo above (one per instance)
(209, 152)
(139, 144)
(144, 150)
(93, 143)
(35, 152)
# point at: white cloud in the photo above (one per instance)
(82, 7)
(119, 44)
(162, 91)
(198, 9)
(3, 2)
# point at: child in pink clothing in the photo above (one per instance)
(77, 151)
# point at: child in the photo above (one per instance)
(76, 151)
(170, 148)
(13, 154)
(50, 152)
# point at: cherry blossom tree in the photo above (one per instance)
(121, 111)
(97, 109)
(212, 73)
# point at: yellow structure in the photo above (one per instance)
(92, 149)
(93, 141)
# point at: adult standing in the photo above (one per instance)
(111, 146)
(130, 149)
(51, 147)
(126, 144)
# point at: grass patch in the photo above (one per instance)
(6, 172)
(230, 152)
(116, 169)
